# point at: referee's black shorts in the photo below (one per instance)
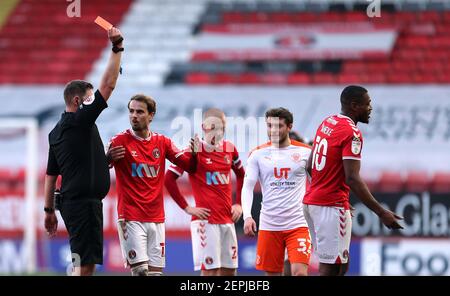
(84, 223)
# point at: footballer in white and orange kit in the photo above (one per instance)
(280, 167)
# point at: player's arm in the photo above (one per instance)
(186, 159)
(238, 169)
(50, 221)
(250, 179)
(170, 181)
(359, 187)
(309, 164)
(109, 78)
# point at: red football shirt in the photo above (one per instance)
(211, 182)
(140, 175)
(337, 138)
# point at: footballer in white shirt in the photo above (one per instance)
(280, 167)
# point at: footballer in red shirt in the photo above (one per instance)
(214, 241)
(139, 158)
(334, 168)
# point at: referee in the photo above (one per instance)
(76, 153)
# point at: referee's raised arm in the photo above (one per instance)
(109, 78)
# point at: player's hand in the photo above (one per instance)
(195, 145)
(114, 35)
(115, 153)
(236, 212)
(202, 213)
(250, 227)
(51, 224)
(390, 219)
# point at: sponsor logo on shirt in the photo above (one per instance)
(217, 178)
(142, 170)
(281, 173)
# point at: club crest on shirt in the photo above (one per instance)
(296, 157)
(132, 254)
(227, 159)
(356, 145)
(156, 153)
(345, 254)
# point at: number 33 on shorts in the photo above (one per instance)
(304, 246)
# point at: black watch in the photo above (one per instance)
(116, 49)
(49, 210)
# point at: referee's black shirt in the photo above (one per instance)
(77, 154)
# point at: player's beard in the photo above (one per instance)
(138, 127)
(278, 138)
(365, 119)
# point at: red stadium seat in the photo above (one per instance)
(224, 78)
(324, 78)
(298, 78)
(198, 78)
(273, 78)
(248, 78)
(391, 182)
(417, 181)
(440, 182)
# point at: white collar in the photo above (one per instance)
(139, 138)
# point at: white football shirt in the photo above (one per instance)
(282, 175)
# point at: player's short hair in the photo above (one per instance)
(281, 113)
(213, 112)
(76, 88)
(151, 104)
(352, 93)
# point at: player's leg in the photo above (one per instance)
(344, 242)
(298, 244)
(228, 250)
(84, 223)
(133, 243)
(333, 230)
(270, 252)
(205, 247)
(156, 248)
(287, 265)
(85, 270)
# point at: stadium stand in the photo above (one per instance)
(39, 51)
(419, 54)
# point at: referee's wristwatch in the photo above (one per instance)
(49, 210)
